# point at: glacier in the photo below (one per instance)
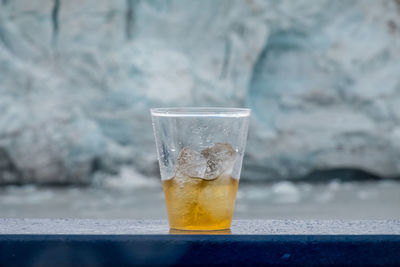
(77, 79)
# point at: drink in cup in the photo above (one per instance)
(200, 154)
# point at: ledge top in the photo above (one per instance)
(160, 227)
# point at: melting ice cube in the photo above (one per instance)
(220, 158)
(210, 163)
(191, 163)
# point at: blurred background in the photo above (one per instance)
(77, 79)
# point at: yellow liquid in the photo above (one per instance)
(197, 204)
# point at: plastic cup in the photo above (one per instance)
(200, 153)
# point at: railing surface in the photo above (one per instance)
(76, 242)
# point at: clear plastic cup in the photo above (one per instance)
(200, 153)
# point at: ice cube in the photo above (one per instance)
(191, 163)
(210, 163)
(220, 158)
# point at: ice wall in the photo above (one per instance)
(77, 79)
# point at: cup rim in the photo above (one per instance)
(200, 112)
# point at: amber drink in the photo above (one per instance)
(200, 168)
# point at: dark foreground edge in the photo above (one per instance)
(199, 250)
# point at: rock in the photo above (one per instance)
(77, 79)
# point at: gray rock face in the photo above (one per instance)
(77, 79)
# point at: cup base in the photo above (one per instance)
(200, 232)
